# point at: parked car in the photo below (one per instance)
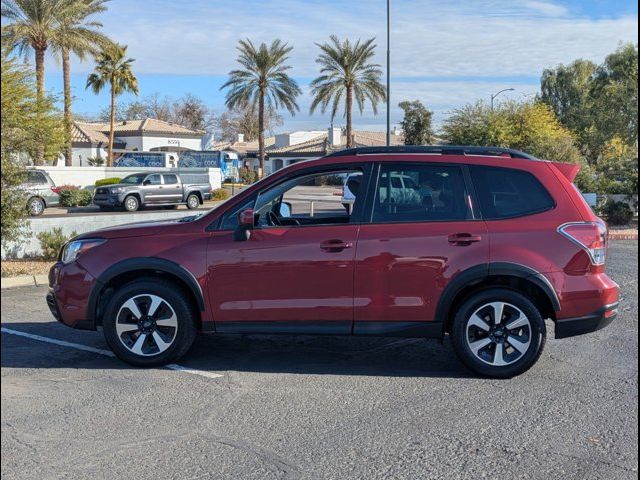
(495, 243)
(42, 192)
(153, 189)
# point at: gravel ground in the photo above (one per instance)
(12, 268)
(318, 407)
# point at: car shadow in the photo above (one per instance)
(294, 354)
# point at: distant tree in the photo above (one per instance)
(262, 83)
(416, 123)
(33, 24)
(76, 33)
(346, 73)
(597, 103)
(28, 125)
(615, 93)
(529, 126)
(193, 113)
(113, 69)
(567, 90)
(245, 121)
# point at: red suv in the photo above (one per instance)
(481, 243)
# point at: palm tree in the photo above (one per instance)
(346, 73)
(263, 83)
(113, 68)
(78, 35)
(33, 25)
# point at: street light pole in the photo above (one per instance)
(388, 74)
(493, 96)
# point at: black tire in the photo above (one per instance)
(535, 333)
(35, 206)
(193, 201)
(175, 297)
(131, 203)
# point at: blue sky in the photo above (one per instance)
(444, 53)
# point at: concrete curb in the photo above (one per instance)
(25, 281)
(623, 236)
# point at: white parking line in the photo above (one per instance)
(99, 351)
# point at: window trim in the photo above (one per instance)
(357, 216)
(472, 213)
(553, 206)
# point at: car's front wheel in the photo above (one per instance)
(149, 323)
(498, 333)
(131, 203)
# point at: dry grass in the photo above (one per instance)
(13, 268)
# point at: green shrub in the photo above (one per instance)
(107, 181)
(219, 194)
(96, 161)
(247, 176)
(72, 196)
(617, 213)
(51, 242)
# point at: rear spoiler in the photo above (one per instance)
(569, 170)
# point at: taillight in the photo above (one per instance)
(55, 190)
(590, 236)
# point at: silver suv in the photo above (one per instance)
(41, 192)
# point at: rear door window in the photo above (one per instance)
(170, 179)
(36, 177)
(420, 193)
(507, 193)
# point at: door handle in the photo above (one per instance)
(335, 245)
(464, 239)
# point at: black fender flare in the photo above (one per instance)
(144, 263)
(481, 272)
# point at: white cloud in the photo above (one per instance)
(547, 8)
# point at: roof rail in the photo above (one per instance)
(436, 149)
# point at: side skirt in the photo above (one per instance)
(377, 329)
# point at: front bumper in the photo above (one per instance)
(68, 297)
(107, 200)
(570, 327)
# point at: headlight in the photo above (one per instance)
(75, 248)
(116, 190)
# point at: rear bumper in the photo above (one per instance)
(570, 327)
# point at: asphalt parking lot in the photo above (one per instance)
(258, 407)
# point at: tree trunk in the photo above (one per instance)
(111, 126)
(348, 112)
(39, 160)
(261, 134)
(66, 75)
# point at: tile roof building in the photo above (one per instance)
(91, 139)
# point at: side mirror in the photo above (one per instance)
(284, 210)
(246, 222)
(246, 218)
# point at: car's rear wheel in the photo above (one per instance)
(35, 206)
(498, 333)
(193, 201)
(131, 203)
(149, 323)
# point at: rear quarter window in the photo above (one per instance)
(507, 193)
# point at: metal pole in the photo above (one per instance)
(388, 74)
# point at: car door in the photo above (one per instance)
(418, 237)
(152, 189)
(294, 273)
(172, 188)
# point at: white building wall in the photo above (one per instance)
(149, 143)
(294, 138)
(87, 176)
(80, 156)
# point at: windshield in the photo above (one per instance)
(135, 179)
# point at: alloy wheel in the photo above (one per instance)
(193, 202)
(35, 206)
(498, 334)
(146, 325)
